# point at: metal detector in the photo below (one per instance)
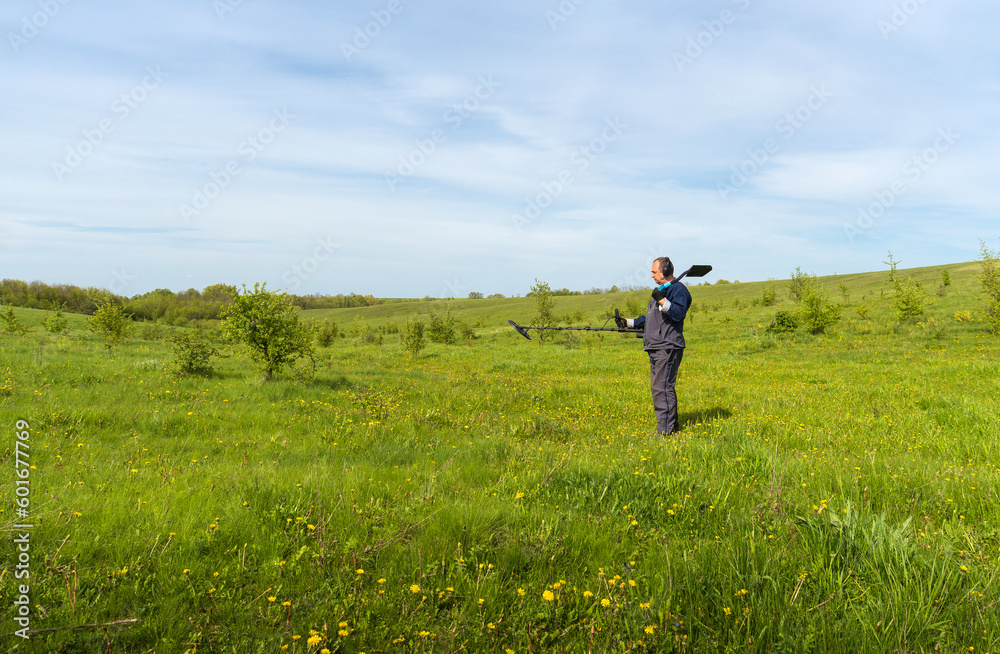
(694, 271)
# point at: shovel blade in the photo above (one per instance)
(699, 270)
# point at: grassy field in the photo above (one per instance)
(828, 493)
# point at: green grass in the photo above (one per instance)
(828, 493)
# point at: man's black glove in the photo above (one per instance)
(619, 321)
(658, 294)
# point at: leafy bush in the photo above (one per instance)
(110, 322)
(12, 325)
(193, 351)
(326, 333)
(769, 294)
(544, 306)
(819, 314)
(441, 329)
(909, 298)
(990, 279)
(56, 323)
(366, 333)
(800, 285)
(784, 321)
(465, 330)
(268, 326)
(413, 336)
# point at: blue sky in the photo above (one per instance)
(406, 148)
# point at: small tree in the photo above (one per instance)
(193, 351)
(441, 329)
(326, 333)
(56, 323)
(475, 295)
(818, 313)
(544, 304)
(12, 325)
(769, 294)
(990, 279)
(784, 321)
(800, 285)
(909, 294)
(413, 336)
(268, 325)
(110, 322)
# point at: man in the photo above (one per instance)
(663, 340)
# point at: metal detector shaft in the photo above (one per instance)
(523, 331)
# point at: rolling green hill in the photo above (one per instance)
(830, 492)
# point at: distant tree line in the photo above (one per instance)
(161, 305)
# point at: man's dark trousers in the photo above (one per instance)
(663, 367)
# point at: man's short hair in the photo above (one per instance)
(666, 266)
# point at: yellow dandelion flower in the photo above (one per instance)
(587, 593)
(520, 591)
(548, 596)
(296, 637)
(381, 581)
(480, 602)
(342, 625)
(650, 629)
(342, 633)
(414, 588)
(631, 582)
(286, 603)
(314, 640)
(605, 602)
(271, 598)
(360, 571)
